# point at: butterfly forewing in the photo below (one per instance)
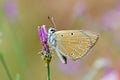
(93, 36)
(74, 43)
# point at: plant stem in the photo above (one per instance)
(5, 66)
(17, 77)
(48, 70)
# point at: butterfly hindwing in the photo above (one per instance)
(74, 43)
(93, 36)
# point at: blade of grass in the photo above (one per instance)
(17, 77)
(5, 66)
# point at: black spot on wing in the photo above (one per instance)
(61, 35)
(71, 33)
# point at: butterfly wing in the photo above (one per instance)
(75, 43)
(93, 36)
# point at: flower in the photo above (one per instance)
(100, 63)
(11, 10)
(42, 33)
(110, 73)
(43, 38)
(80, 9)
(46, 56)
(110, 19)
(111, 76)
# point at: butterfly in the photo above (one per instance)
(73, 44)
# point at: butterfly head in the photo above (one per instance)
(51, 30)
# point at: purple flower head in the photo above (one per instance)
(111, 76)
(80, 9)
(42, 33)
(111, 19)
(11, 9)
(43, 38)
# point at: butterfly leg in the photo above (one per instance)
(62, 58)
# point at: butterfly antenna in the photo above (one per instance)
(52, 21)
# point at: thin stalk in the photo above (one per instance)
(48, 70)
(17, 77)
(5, 66)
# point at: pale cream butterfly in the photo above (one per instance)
(72, 44)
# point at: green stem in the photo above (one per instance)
(48, 70)
(17, 77)
(5, 66)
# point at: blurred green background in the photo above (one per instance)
(19, 40)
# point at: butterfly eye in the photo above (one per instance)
(52, 30)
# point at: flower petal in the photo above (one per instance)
(44, 34)
(40, 33)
